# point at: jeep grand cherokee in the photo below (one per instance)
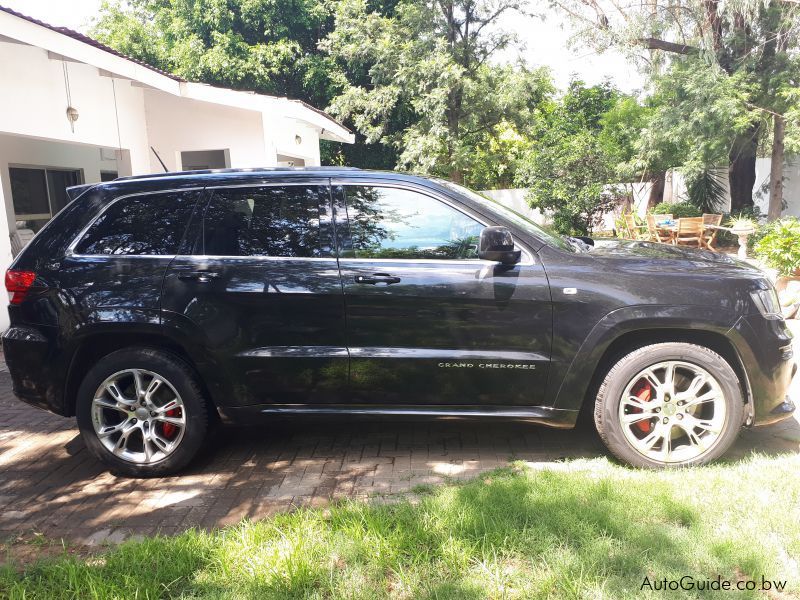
(153, 307)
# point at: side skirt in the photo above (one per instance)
(551, 417)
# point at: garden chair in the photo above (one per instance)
(710, 235)
(689, 232)
(634, 231)
(656, 234)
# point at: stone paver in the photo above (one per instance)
(50, 485)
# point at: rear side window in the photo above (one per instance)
(150, 225)
(264, 221)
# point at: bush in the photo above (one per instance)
(677, 209)
(779, 246)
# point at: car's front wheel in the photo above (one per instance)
(142, 412)
(669, 404)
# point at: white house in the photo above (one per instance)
(75, 111)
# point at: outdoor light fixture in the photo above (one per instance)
(72, 116)
(298, 140)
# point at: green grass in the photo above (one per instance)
(587, 529)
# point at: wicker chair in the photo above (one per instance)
(656, 234)
(634, 231)
(710, 235)
(690, 232)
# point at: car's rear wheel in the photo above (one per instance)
(142, 412)
(669, 404)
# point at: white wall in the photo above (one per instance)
(281, 137)
(33, 102)
(515, 199)
(24, 151)
(791, 186)
(177, 124)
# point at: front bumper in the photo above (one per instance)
(765, 349)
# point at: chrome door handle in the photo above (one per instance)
(198, 276)
(376, 278)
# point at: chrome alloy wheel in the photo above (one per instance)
(672, 412)
(138, 416)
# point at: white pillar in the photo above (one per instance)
(5, 250)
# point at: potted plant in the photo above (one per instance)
(779, 248)
(742, 225)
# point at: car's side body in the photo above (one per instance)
(316, 334)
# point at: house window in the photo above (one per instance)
(38, 193)
(200, 160)
(108, 175)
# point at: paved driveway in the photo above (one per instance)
(49, 485)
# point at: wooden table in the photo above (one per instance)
(741, 235)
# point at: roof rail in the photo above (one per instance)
(241, 170)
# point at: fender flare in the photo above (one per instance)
(569, 391)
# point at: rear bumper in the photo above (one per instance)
(34, 373)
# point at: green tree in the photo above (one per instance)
(432, 91)
(739, 55)
(572, 169)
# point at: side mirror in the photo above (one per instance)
(497, 244)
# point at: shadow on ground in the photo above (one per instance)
(50, 485)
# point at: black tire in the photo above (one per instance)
(179, 375)
(609, 397)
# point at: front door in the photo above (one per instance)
(427, 321)
(261, 290)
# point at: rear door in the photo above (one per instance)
(427, 321)
(114, 270)
(261, 293)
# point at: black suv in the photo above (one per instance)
(153, 307)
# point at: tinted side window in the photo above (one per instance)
(152, 224)
(267, 221)
(397, 223)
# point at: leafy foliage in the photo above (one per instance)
(572, 167)
(707, 191)
(779, 247)
(678, 210)
(264, 45)
(719, 69)
(431, 90)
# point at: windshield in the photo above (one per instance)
(505, 213)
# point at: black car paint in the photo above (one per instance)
(270, 336)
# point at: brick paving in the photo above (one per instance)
(50, 485)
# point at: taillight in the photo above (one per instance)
(18, 283)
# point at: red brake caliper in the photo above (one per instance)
(644, 392)
(168, 428)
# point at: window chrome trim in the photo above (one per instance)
(528, 253)
(257, 257)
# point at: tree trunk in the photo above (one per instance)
(742, 169)
(657, 184)
(776, 170)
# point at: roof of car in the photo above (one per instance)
(254, 170)
(176, 180)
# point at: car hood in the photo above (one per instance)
(649, 255)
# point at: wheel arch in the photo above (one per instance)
(614, 337)
(636, 339)
(93, 346)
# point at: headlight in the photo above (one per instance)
(766, 300)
